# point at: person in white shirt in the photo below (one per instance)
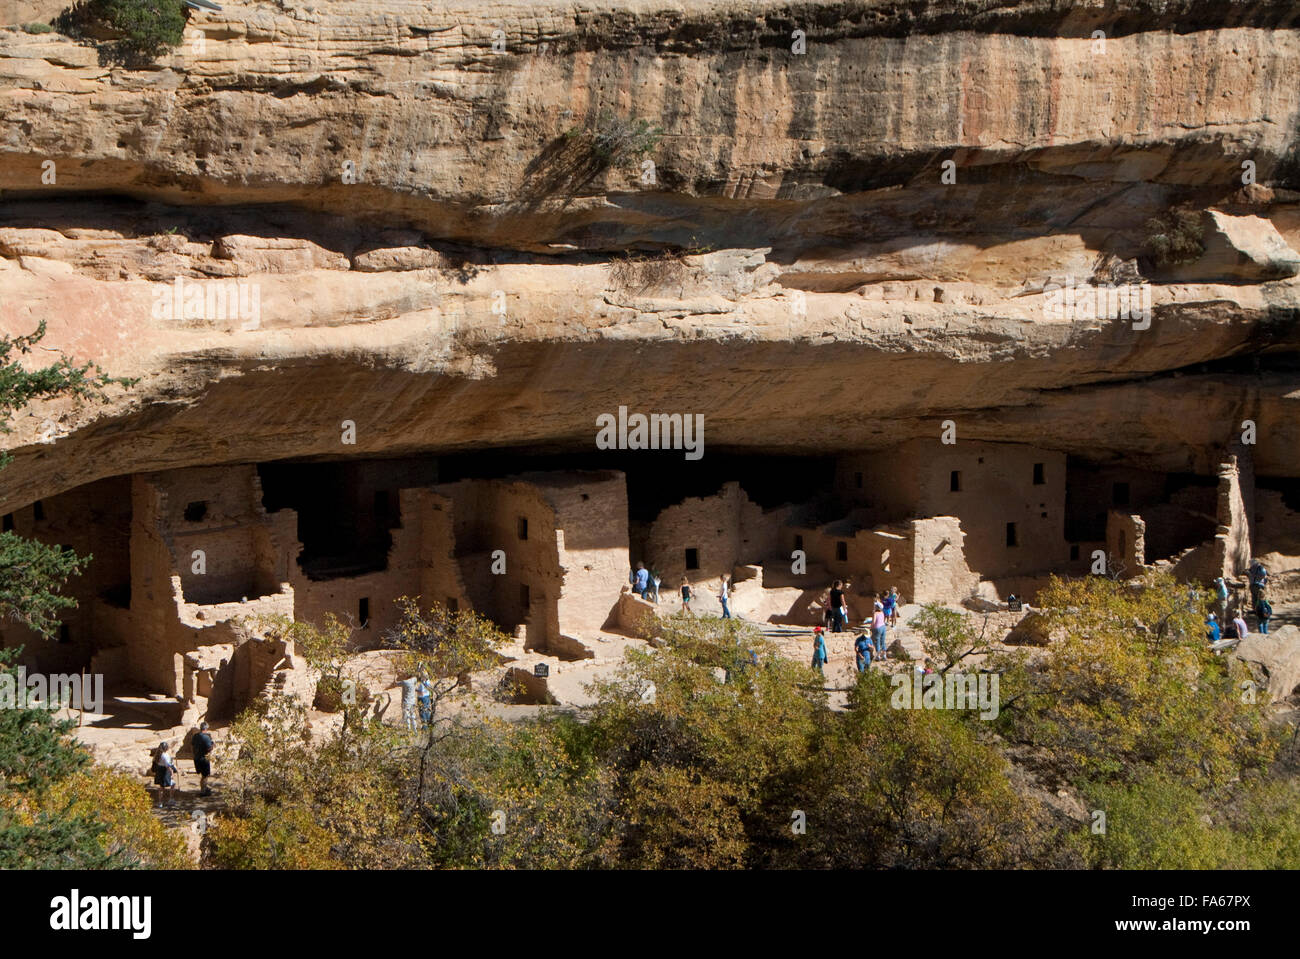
(1240, 623)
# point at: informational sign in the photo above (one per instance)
(1013, 604)
(541, 670)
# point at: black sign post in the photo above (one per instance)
(541, 670)
(1013, 604)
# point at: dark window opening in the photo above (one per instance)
(1043, 515)
(857, 479)
(954, 481)
(1119, 494)
(798, 542)
(525, 596)
(9, 522)
(1038, 474)
(842, 552)
(38, 511)
(65, 633)
(1011, 534)
(523, 527)
(453, 604)
(194, 512)
(1074, 551)
(692, 559)
(363, 611)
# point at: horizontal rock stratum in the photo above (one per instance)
(840, 238)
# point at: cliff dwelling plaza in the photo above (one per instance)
(721, 418)
(189, 561)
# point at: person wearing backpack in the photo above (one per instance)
(1258, 580)
(202, 746)
(1263, 613)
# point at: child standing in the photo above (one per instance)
(820, 657)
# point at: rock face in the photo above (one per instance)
(821, 160)
(1244, 249)
(1275, 659)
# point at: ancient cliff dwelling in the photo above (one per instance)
(949, 298)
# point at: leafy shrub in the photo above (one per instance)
(1176, 237)
(149, 27)
(612, 139)
(38, 28)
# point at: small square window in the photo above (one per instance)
(1011, 534)
(692, 559)
(8, 522)
(194, 512)
(1038, 474)
(38, 511)
(842, 552)
(522, 527)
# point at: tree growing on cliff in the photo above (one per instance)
(1176, 237)
(144, 28)
(43, 821)
(31, 573)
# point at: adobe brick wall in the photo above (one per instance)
(1125, 542)
(727, 530)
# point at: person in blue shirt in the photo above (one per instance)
(862, 645)
(640, 579)
(1212, 628)
(820, 657)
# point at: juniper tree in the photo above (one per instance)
(36, 752)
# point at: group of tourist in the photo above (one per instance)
(868, 646)
(646, 583)
(165, 772)
(1257, 577)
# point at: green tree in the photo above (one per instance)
(148, 26)
(1131, 690)
(37, 754)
